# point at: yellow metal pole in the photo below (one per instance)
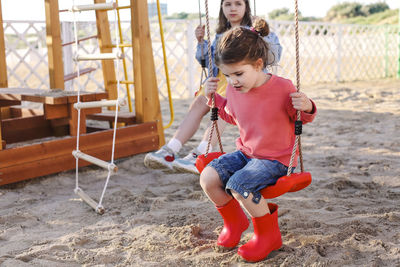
(171, 107)
(121, 40)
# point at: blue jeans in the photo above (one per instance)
(247, 175)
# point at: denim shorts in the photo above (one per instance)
(247, 175)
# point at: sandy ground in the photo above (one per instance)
(348, 216)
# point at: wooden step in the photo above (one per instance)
(102, 103)
(99, 6)
(96, 161)
(100, 56)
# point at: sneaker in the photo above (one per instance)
(162, 158)
(187, 164)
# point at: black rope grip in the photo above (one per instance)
(214, 114)
(298, 127)
(203, 62)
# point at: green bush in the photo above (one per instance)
(374, 8)
(344, 11)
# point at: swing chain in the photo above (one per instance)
(214, 111)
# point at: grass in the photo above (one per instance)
(390, 16)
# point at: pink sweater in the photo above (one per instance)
(265, 118)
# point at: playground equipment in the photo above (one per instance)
(142, 130)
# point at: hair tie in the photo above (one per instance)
(255, 31)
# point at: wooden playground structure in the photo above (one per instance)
(140, 131)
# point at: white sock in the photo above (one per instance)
(175, 145)
(202, 147)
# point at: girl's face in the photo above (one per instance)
(244, 76)
(234, 11)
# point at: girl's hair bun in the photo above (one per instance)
(260, 26)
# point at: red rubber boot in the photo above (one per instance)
(235, 223)
(266, 238)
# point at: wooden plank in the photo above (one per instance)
(62, 111)
(35, 95)
(67, 161)
(7, 103)
(88, 96)
(52, 97)
(5, 113)
(22, 123)
(60, 127)
(100, 96)
(128, 118)
(147, 104)
(27, 128)
(16, 112)
(73, 121)
(59, 122)
(57, 160)
(54, 148)
(54, 47)
(104, 36)
(45, 99)
(55, 111)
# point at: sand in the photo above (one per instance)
(348, 216)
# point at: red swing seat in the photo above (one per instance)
(202, 161)
(292, 183)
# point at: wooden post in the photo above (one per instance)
(105, 44)
(73, 121)
(147, 103)
(54, 48)
(3, 65)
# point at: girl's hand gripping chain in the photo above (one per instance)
(211, 86)
(199, 33)
(301, 102)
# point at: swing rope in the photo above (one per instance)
(298, 124)
(202, 59)
(214, 110)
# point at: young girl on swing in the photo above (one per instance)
(232, 13)
(263, 106)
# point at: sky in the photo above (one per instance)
(34, 9)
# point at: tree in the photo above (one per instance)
(348, 10)
(283, 14)
(374, 8)
(344, 11)
(274, 14)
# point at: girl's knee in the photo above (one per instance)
(209, 178)
(200, 103)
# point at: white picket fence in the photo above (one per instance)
(329, 53)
